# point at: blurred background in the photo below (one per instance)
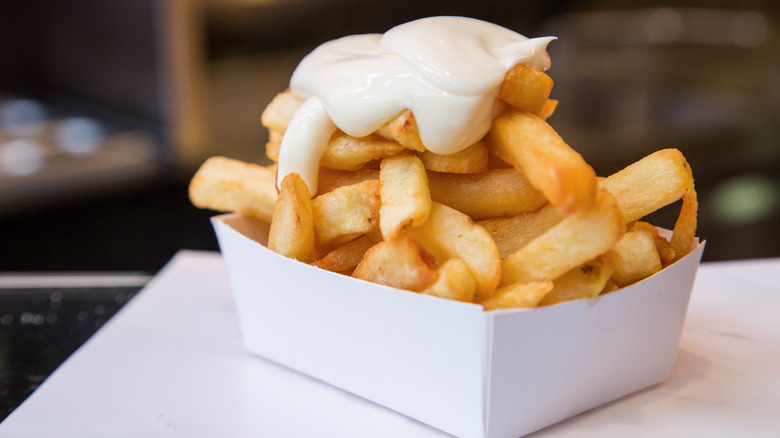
(107, 107)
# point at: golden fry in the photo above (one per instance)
(455, 282)
(513, 233)
(526, 88)
(473, 159)
(518, 295)
(579, 237)
(555, 169)
(495, 193)
(280, 111)
(347, 256)
(636, 256)
(586, 281)
(346, 212)
(292, 227)
(406, 200)
(449, 234)
(331, 179)
(400, 262)
(403, 129)
(224, 184)
(653, 182)
(352, 153)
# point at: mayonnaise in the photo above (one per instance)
(446, 70)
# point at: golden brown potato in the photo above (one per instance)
(346, 257)
(586, 281)
(224, 184)
(346, 212)
(406, 200)
(473, 159)
(495, 193)
(292, 227)
(455, 282)
(518, 295)
(526, 88)
(400, 262)
(579, 237)
(553, 167)
(352, 153)
(449, 234)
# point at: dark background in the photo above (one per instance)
(632, 77)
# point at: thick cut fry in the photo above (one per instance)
(473, 159)
(586, 281)
(399, 262)
(579, 237)
(525, 88)
(292, 227)
(346, 212)
(225, 184)
(406, 200)
(449, 234)
(636, 256)
(518, 295)
(280, 111)
(455, 282)
(513, 233)
(330, 179)
(685, 228)
(495, 193)
(346, 257)
(555, 169)
(352, 153)
(273, 145)
(655, 181)
(662, 245)
(548, 109)
(403, 129)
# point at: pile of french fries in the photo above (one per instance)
(518, 219)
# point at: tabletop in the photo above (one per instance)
(171, 364)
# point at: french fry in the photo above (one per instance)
(649, 184)
(586, 281)
(406, 200)
(495, 193)
(403, 129)
(636, 257)
(553, 167)
(273, 145)
(664, 248)
(579, 237)
(525, 88)
(473, 159)
(518, 295)
(548, 109)
(224, 184)
(513, 233)
(352, 153)
(280, 111)
(449, 234)
(346, 257)
(400, 262)
(330, 179)
(292, 227)
(684, 231)
(455, 282)
(346, 212)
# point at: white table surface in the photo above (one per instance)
(171, 364)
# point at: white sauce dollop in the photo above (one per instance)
(446, 70)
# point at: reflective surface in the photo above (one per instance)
(42, 324)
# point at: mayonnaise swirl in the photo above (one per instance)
(446, 70)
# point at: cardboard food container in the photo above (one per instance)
(471, 373)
